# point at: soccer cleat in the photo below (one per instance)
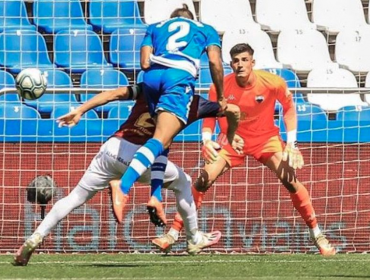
(156, 212)
(119, 199)
(24, 253)
(323, 244)
(164, 243)
(208, 239)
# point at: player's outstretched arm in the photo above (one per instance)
(122, 93)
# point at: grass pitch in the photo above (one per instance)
(184, 267)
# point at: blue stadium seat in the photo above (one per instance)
(354, 113)
(18, 122)
(353, 123)
(109, 15)
(7, 81)
(52, 16)
(16, 110)
(122, 111)
(13, 15)
(124, 48)
(204, 79)
(104, 79)
(78, 50)
(56, 79)
(21, 49)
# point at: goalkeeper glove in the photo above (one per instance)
(293, 155)
(210, 151)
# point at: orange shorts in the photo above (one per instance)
(261, 151)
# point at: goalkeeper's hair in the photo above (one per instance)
(182, 12)
(240, 48)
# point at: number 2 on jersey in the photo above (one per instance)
(174, 41)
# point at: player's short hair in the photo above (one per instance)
(240, 48)
(182, 12)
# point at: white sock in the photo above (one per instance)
(185, 203)
(315, 232)
(197, 237)
(62, 208)
(174, 233)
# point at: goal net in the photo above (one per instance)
(247, 204)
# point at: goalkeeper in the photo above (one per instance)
(112, 161)
(255, 92)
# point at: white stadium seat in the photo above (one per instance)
(224, 14)
(367, 84)
(158, 10)
(352, 49)
(334, 77)
(302, 50)
(276, 15)
(333, 16)
(257, 39)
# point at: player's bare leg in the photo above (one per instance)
(301, 201)
(118, 198)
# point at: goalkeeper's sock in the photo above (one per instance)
(157, 174)
(301, 201)
(198, 197)
(178, 223)
(143, 159)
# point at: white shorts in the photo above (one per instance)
(112, 161)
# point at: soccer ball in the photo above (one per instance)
(30, 83)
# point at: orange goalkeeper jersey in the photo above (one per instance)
(257, 106)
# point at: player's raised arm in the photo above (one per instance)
(217, 72)
(291, 151)
(122, 93)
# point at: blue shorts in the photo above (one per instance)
(170, 90)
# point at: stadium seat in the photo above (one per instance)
(221, 14)
(78, 50)
(7, 81)
(291, 80)
(352, 48)
(121, 111)
(124, 48)
(354, 113)
(109, 15)
(13, 15)
(367, 85)
(276, 15)
(21, 49)
(158, 10)
(332, 76)
(257, 39)
(16, 110)
(204, 79)
(333, 16)
(18, 122)
(302, 50)
(52, 16)
(102, 79)
(46, 103)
